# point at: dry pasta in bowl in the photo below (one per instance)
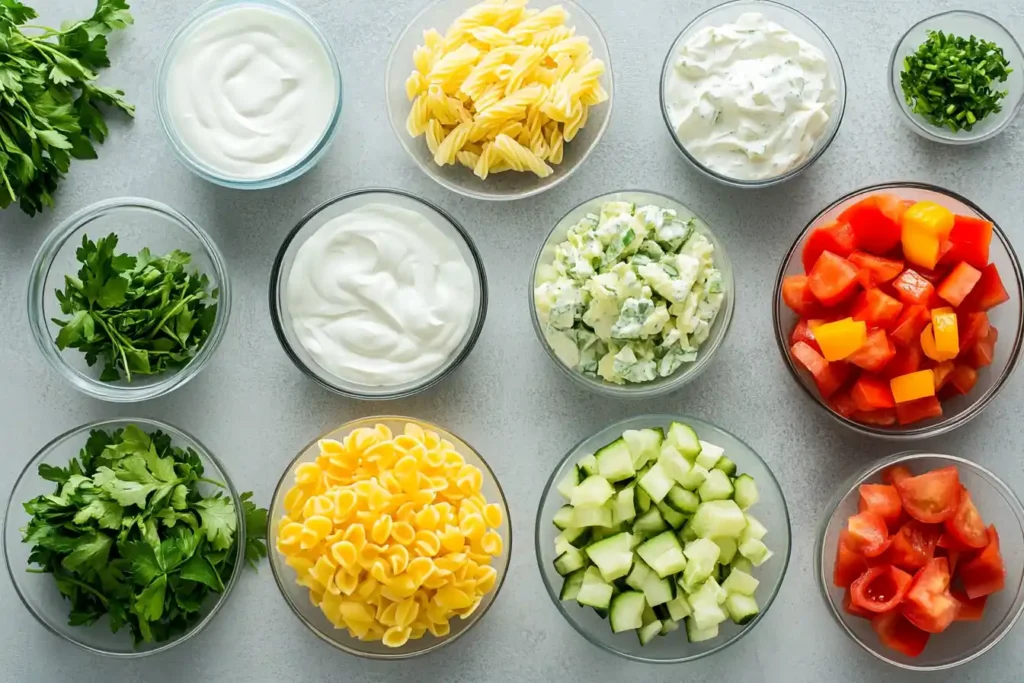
(505, 88)
(394, 534)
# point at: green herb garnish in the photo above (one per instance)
(127, 533)
(949, 80)
(48, 98)
(143, 315)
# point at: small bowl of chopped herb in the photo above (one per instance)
(957, 77)
(128, 299)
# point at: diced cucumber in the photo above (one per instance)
(638, 575)
(740, 582)
(755, 551)
(594, 591)
(717, 519)
(692, 480)
(698, 635)
(570, 561)
(685, 440)
(741, 608)
(663, 554)
(602, 611)
(709, 455)
(644, 444)
(673, 462)
(712, 586)
(716, 486)
(675, 519)
(571, 586)
(707, 610)
(687, 534)
(648, 615)
(592, 492)
(679, 608)
(754, 528)
(643, 501)
(726, 465)
(741, 564)
(563, 518)
(727, 548)
(622, 509)
(647, 632)
(746, 491)
(613, 555)
(614, 462)
(649, 523)
(668, 626)
(682, 500)
(626, 610)
(588, 465)
(658, 591)
(656, 483)
(569, 482)
(591, 517)
(701, 559)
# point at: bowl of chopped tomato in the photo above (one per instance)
(921, 560)
(898, 309)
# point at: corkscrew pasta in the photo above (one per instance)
(391, 534)
(503, 89)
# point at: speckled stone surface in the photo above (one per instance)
(254, 409)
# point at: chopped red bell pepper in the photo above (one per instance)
(877, 308)
(972, 327)
(913, 288)
(875, 270)
(872, 393)
(875, 221)
(984, 350)
(885, 417)
(836, 237)
(959, 283)
(832, 279)
(963, 378)
(828, 376)
(910, 325)
(918, 409)
(906, 361)
(988, 293)
(969, 241)
(875, 353)
(797, 295)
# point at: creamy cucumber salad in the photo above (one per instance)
(631, 293)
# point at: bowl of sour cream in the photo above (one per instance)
(378, 294)
(249, 93)
(753, 92)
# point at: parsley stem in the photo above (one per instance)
(86, 587)
(213, 482)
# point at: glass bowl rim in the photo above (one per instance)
(181, 152)
(680, 378)
(44, 261)
(946, 425)
(403, 136)
(838, 115)
(935, 133)
(659, 418)
(849, 486)
(456, 360)
(475, 618)
(204, 454)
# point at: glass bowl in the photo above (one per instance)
(1007, 318)
(688, 372)
(797, 23)
(674, 648)
(297, 596)
(289, 13)
(139, 223)
(341, 205)
(962, 23)
(963, 641)
(504, 186)
(38, 592)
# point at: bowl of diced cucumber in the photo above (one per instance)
(662, 539)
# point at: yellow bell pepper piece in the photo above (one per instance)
(925, 226)
(930, 348)
(913, 386)
(841, 338)
(947, 335)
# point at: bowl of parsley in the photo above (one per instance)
(128, 299)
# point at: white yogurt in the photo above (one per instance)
(380, 296)
(749, 100)
(250, 91)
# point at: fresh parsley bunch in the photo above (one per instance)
(127, 533)
(48, 98)
(143, 315)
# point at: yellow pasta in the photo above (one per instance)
(391, 533)
(503, 89)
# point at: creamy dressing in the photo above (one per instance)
(380, 296)
(749, 100)
(250, 92)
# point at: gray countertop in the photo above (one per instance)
(255, 409)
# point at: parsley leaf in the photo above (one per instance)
(218, 521)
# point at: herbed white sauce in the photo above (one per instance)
(749, 100)
(380, 296)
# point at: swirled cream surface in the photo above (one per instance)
(250, 91)
(380, 296)
(749, 100)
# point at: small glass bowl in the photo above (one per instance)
(963, 641)
(689, 371)
(674, 648)
(190, 160)
(316, 219)
(504, 186)
(794, 21)
(960, 23)
(297, 596)
(138, 223)
(38, 592)
(1007, 318)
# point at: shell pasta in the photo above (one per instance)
(503, 89)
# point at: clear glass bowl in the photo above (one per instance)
(341, 205)
(297, 596)
(190, 160)
(503, 186)
(38, 592)
(1007, 318)
(689, 371)
(963, 641)
(794, 21)
(139, 223)
(674, 648)
(961, 23)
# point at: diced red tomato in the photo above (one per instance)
(832, 279)
(986, 573)
(972, 327)
(875, 221)
(872, 393)
(868, 534)
(913, 545)
(797, 295)
(953, 556)
(910, 325)
(988, 293)
(876, 308)
(958, 284)
(895, 474)
(802, 332)
(913, 288)
(875, 353)
(931, 497)
(897, 633)
(928, 603)
(942, 371)
(963, 378)
(984, 350)
(877, 418)
(970, 610)
(853, 609)
(875, 270)
(849, 563)
(829, 377)
(883, 500)
(907, 360)
(969, 241)
(917, 410)
(966, 525)
(948, 542)
(842, 402)
(880, 588)
(836, 237)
